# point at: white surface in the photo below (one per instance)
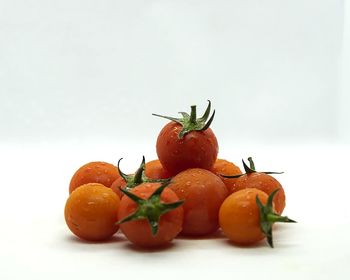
(36, 244)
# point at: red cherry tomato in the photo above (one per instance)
(139, 231)
(203, 193)
(197, 149)
(187, 142)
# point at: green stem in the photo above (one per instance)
(268, 217)
(193, 116)
(138, 177)
(251, 162)
(139, 172)
(273, 218)
(190, 122)
(248, 170)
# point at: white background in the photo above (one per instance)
(79, 81)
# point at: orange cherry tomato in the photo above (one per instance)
(94, 172)
(239, 216)
(203, 193)
(91, 212)
(247, 216)
(265, 183)
(139, 231)
(259, 180)
(155, 170)
(222, 166)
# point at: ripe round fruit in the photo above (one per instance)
(155, 170)
(139, 231)
(203, 193)
(94, 172)
(265, 183)
(239, 216)
(197, 149)
(222, 166)
(91, 212)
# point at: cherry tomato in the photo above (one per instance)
(187, 142)
(150, 219)
(94, 172)
(247, 216)
(239, 216)
(265, 183)
(222, 166)
(259, 180)
(91, 212)
(155, 170)
(203, 193)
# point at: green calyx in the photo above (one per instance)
(190, 122)
(138, 177)
(150, 209)
(249, 170)
(268, 217)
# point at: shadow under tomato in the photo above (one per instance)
(131, 246)
(215, 235)
(75, 239)
(259, 244)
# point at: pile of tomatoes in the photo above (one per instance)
(187, 191)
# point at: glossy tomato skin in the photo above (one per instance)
(239, 216)
(265, 183)
(139, 231)
(91, 212)
(155, 170)
(94, 172)
(203, 193)
(197, 149)
(224, 167)
(117, 184)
